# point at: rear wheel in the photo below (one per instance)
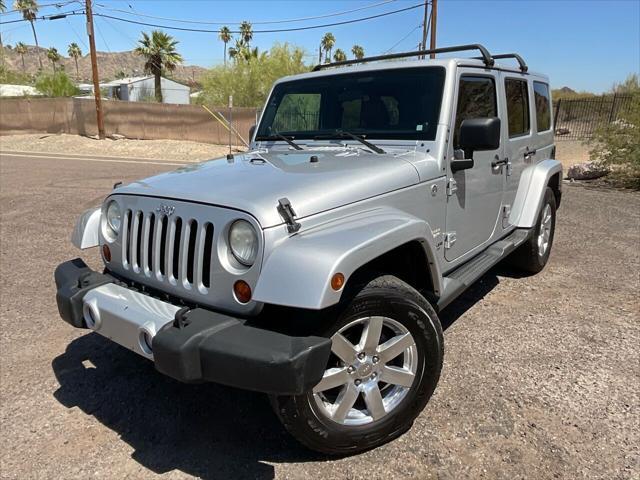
(533, 255)
(387, 350)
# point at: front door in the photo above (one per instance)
(474, 203)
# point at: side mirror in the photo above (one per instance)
(476, 134)
(252, 131)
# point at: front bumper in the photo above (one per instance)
(189, 345)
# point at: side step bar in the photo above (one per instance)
(465, 275)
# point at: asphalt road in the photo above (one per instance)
(541, 377)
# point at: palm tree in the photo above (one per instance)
(225, 36)
(54, 56)
(21, 49)
(29, 9)
(357, 51)
(339, 56)
(327, 42)
(159, 51)
(246, 32)
(75, 52)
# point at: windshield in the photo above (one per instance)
(386, 104)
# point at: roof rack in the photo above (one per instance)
(486, 56)
(519, 59)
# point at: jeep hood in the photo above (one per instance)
(254, 182)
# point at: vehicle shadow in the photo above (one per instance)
(206, 430)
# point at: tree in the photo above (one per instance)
(250, 82)
(75, 52)
(54, 56)
(225, 36)
(159, 51)
(327, 42)
(339, 56)
(29, 9)
(21, 49)
(357, 51)
(246, 32)
(56, 85)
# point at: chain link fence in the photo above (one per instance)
(579, 119)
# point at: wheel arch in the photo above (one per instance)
(529, 197)
(351, 246)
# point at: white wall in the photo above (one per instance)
(172, 92)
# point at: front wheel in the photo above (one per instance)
(385, 362)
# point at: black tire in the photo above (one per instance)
(385, 296)
(527, 257)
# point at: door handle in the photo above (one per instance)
(529, 153)
(499, 163)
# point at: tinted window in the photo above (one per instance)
(543, 106)
(476, 99)
(397, 104)
(517, 106)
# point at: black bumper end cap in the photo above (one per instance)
(217, 348)
(73, 280)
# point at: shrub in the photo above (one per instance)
(249, 80)
(57, 84)
(617, 145)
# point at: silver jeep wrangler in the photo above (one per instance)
(313, 267)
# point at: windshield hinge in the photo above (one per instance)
(449, 240)
(452, 187)
(288, 215)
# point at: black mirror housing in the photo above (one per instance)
(479, 134)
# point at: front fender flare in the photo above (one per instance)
(86, 233)
(298, 271)
(533, 182)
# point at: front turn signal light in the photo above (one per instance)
(242, 291)
(337, 281)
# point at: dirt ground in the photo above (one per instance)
(78, 145)
(541, 377)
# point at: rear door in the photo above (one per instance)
(473, 209)
(518, 137)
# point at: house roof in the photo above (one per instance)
(130, 80)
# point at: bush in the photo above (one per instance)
(14, 78)
(250, 80)
(56, 85)
(617, 145)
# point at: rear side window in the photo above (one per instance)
(543, 106)
(476, 99)
(517, 106)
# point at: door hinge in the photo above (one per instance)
(449, 239)
(509, 165)
(506, 211)
(452, 187)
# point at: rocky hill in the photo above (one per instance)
(110, 64)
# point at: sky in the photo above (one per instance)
(587, 45)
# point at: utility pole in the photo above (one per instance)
(94, 70)
(423, 45)
(434, 19)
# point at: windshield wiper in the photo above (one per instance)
(345, 134)
(279, 136)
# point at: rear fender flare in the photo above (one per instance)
(530, 194)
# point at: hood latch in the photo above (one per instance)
(288, 215)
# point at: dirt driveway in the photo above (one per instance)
(541, 377)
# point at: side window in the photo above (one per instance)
(476, 99)
(517, 106)
(543, 106)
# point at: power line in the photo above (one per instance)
(57, 5)
(53, 16)
(290, 20)
(403, 38)
(312, 27)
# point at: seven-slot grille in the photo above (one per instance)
(170, 248)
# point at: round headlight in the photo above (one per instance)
(243, 241)
(114, 217)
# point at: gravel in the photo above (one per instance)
(541, 376)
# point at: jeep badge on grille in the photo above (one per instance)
(167, 210)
